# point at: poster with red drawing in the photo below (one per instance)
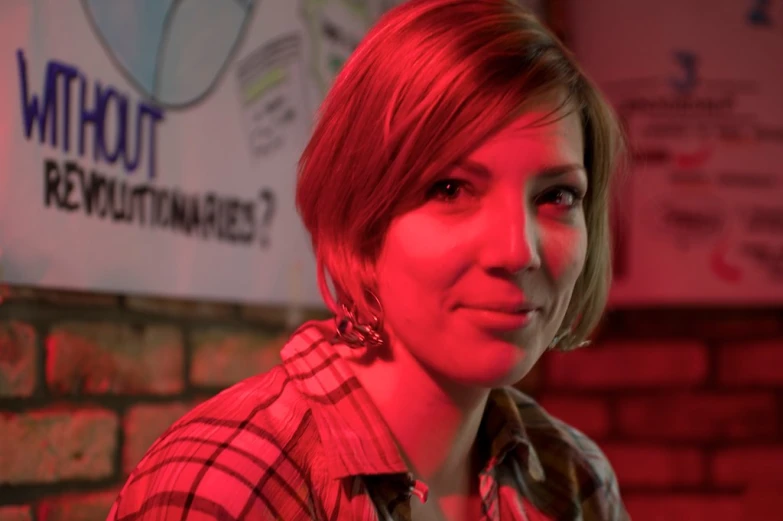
(699, 218)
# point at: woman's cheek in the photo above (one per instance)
(563, 251)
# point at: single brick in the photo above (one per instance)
(762, 499)
(52, 446)
(280, 315)
(82, 507)
(222, 357)
(116, 358)
(180, 308)
(18, 358)
(589, 415)
(757, 363)
(626, 365)
(647, 465)
(704, 324)
(16, 513)
(143, 424)
(270, 315)
(60, 297)
(686, 416)
(81, 298)
(744, 465)
(685, 507)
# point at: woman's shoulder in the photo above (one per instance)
(217, 456)
(571, 460)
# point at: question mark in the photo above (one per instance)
(268, 198)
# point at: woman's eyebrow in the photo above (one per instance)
(558, 170)
(562, 170)
(475, 168)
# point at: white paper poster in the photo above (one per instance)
(151, 146)
(699, 86)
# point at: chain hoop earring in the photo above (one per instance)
(561, 343)
(355, 333)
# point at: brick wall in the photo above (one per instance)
(88, 382)
(687, 404)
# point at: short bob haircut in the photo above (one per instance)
(427, 85)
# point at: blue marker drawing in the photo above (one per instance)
(688, 61)
(173, 51)
(758, 14)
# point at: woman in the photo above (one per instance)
(456, 190)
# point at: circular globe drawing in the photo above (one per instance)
(173, 51)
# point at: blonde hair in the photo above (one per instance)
(431, 81)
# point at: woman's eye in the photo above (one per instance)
(562, 197)
(447, 190)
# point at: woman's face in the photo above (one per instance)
(475, 281)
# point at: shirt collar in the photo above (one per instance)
(502, 427)
(354, 435)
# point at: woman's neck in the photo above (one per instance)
(434, 423)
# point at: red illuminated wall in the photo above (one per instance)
(687, 404)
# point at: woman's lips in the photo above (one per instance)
(500, 318)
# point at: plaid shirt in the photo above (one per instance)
(304, 442)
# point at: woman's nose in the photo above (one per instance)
(512, 238)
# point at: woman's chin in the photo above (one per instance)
(493, 371)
